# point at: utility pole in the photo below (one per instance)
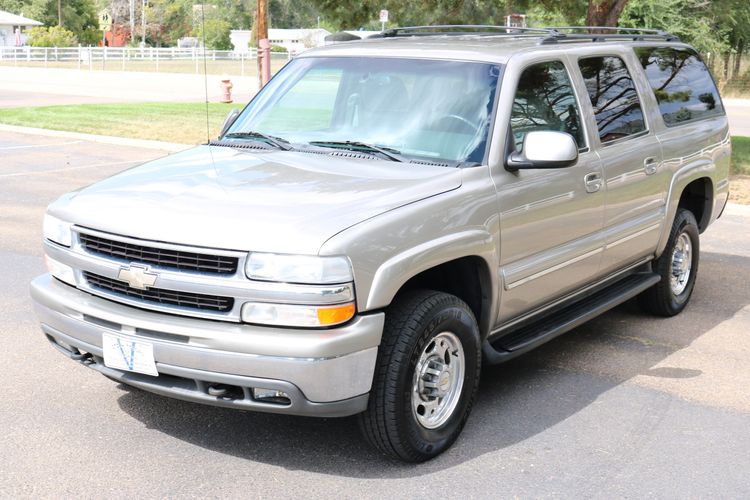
(132, 21)
(59, 13)
(264, 47)
(143, 23)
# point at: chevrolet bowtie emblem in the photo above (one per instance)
(137, 276)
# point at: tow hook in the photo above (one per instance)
(217, 390)
(83, 357)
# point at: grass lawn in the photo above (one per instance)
(739, 188)
(741, 155)
(172, 122)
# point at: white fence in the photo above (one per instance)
(169, 59)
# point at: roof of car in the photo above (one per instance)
(491, 46)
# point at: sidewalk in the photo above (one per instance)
(115, 86)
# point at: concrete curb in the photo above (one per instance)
(737, 209)
(104, 139)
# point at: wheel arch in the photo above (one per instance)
(457, 264)
(692, 189)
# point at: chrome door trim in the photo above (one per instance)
(557, 267)
(568, 297)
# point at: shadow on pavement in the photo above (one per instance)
(516, 401)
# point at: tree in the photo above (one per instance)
(604, 12)
(215, 32)
(78, 16)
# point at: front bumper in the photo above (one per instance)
(324, 372)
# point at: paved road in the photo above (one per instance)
(738, 111)
(625, 406)
(75, 86)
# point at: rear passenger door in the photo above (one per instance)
(631, 158)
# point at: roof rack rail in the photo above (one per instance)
(461, 29)
(548, 35)
(605, 33)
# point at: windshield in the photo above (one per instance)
(422, 109)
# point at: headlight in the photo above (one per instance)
(60, 271)
(56, 230)
(306, 269)
(296, 315)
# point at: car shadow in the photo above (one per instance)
(516, 401)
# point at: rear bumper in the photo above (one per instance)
(324, 372)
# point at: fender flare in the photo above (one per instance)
(392, 274)
(680, 180)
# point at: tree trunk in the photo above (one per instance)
(59, 13)
(738, 59)
(604, 12)
(727, 56)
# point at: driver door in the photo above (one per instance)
(551, 219)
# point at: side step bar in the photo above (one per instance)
(529, 336)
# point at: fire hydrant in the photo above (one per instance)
(226, 88)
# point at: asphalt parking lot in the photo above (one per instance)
(626, 406)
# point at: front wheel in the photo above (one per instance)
(426, 376)
(678, 268)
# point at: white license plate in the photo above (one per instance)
(128, 355)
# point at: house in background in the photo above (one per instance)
(297, 40)
(12, 29)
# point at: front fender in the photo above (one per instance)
(400, 268)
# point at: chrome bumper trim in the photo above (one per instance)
(326, 365)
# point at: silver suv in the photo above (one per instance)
(388, 214)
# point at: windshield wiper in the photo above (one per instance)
(390, 153)
(278, 142)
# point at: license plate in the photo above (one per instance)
(128, 355)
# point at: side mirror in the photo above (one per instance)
(544, 149)
(228, 121)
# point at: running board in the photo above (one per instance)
(529, 336)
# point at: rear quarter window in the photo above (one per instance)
(681, 83)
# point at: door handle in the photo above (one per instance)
(649, 165)
(593, 182)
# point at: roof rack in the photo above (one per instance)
(548, 35)
(462, 29)
(606, 33)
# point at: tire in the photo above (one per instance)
(425, 334)
(670, 296)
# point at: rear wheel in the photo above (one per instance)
(678, 268)
(426, 376)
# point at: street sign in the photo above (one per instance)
(383, 16)
(105, 21)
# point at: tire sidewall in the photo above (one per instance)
(687, 225)
(459, 321)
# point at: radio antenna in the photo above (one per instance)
(205, 71)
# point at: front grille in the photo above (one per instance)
(176, 259)
(168, 297)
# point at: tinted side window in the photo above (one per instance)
(613, 97)
(545, 101)
(681, 83)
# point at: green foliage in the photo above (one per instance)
(215, 32)
(353, 15)
(52, 36)
(688, 19)
(292, 14)
(78, 16)
(741, 155)
(168, 21)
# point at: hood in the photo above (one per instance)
(278, 201)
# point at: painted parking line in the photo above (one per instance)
(80, 167)
(29, 146)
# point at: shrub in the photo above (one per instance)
(51, 36)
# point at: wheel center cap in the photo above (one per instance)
(444, 382)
